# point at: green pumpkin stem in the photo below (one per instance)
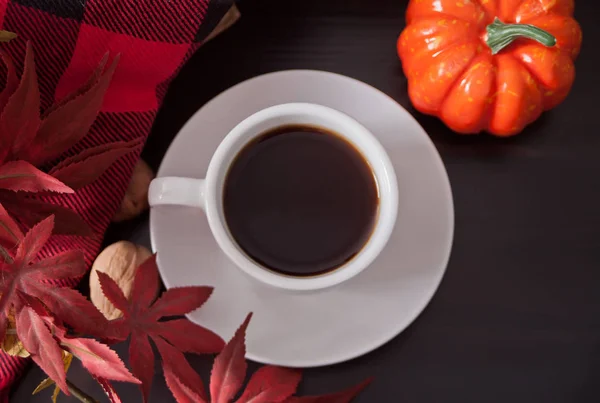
(500, 35)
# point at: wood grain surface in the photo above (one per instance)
(517, 317)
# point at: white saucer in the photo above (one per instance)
(335, 325)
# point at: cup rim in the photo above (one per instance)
(382, 229)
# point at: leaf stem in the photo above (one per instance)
(79, 394)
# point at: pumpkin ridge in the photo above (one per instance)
(458, 76)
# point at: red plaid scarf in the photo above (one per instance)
(154, 38)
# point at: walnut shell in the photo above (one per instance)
(119, 261)
(135, 200)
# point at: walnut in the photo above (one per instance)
(119, 261)
(135, 200)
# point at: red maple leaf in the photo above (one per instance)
(31, 211)
(141, 321)
(96, 357)
(22, 176)
(23, 275)
(45, 339)
(84, 168)
(270, 384)
(38, 140)
(37, 339)
(108, 389)
(20, 118)
(30, 141)
(229, 369)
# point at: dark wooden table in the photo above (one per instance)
(517, 317)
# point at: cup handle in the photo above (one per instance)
(172, 190)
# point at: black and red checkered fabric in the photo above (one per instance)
(154, 38)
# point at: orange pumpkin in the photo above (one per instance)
(489, 65)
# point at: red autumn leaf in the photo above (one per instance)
(34, 241)
(31, 211)
(20, 118)
(100, 361)
(37, 339)
(72, 308)
(108, 389)
(271, 384)
(146, 283)
(10, 233)
(141, 321)
(22, 176)
(187, 336)
(180, 300)
(84, 168)
(96, 357)
(176, 367)
(69, 123)
(37, 306)
(141, 358)
(36, 278)
(58, 266)
(182, 393)
(229, 368)
(81, 90)
(345, 396)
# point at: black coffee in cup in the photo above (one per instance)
(300, 200)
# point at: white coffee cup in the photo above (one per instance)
(207, 193)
